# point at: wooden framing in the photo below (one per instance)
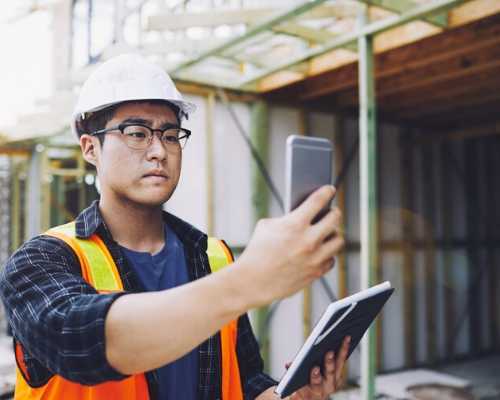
(236, 17)
(455, 68)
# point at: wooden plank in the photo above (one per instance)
(407, 220)
(485, 77)
(473, 10)
(440, 108)
(412, 56)
(429, 251)
(465, 116)
(399, 6)
(476, 66)
(314, 36)
(171, 21)
(7, 151)
(489, 129)
(446, 91)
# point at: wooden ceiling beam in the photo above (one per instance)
(399, 6)
(212, 19)
(457, 117)
(396, 61)
(442, 107)
(482, 63)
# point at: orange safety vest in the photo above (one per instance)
(100, 271)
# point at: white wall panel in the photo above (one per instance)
(189, 200)
(232, 180)
(393, 341)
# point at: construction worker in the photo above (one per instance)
(120, 303)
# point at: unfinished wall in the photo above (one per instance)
(426, 247)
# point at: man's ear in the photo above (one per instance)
(89, 147)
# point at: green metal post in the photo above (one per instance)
(368, 199)
(260, 201)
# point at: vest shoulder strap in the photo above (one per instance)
(97, 265)
(218, 253)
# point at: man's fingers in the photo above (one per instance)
(328, 226)
(342, 356)
(330, 371)
(311, 206)
(329, 250)
(315, 379)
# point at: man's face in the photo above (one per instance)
(146, 177)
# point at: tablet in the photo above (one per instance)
(350, 316)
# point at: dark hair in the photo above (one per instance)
(98, 120)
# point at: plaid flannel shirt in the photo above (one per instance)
(59, 318)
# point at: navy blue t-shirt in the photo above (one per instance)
(164, 270)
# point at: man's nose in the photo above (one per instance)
(156, 149)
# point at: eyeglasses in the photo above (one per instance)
(138, 136)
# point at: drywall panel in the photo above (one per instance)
(286, 336)
(420, 311)
(232, 183)
(392, 316)
(439, 311)
(459, 288)
(418, 189)
(189, 199)
(389, 182)
(353, 286)
(352, 183)
(456, 165)
(320, 125)
(283, 122)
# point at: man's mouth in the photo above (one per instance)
(156, 174)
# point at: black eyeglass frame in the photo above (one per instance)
(123, 125)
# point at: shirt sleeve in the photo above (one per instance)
(55, 315)
(253, 378)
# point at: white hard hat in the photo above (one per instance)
(127, 77)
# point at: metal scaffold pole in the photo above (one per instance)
(260, 201)
(368, 198)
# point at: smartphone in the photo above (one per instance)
(308, 166)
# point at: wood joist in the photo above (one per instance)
(425, 83)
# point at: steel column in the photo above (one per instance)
(260, 201)
(368, 199)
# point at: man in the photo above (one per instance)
(121, 304)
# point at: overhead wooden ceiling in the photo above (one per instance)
(445, 81)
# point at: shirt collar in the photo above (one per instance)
(90, 220)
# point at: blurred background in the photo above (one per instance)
(407, 90)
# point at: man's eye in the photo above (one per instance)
(136, 134)
(171, 139)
